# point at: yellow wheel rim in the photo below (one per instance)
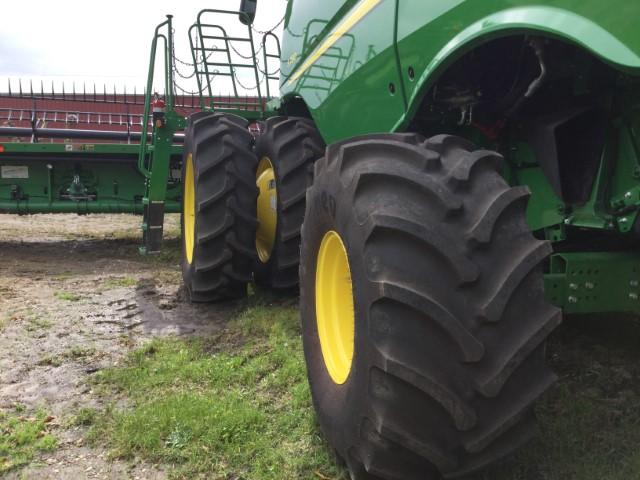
(267, 209)
(189, 210)
(334, 307)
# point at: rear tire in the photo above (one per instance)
(291, 146)
(218, 239)
(449, 313)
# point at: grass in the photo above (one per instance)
(86, 416)
(21, 438)
(236, 406)
(74, 353)
(67, 296)
(120, 282)
(589, 423)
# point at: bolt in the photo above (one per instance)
(573, 286)
(573, 299)
(392, 88)
(633, 296)
(567, 221)
(628, 195)
(589, 285)
(624, 220)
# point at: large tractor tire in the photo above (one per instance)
(219, 207)
(285, 151)
(424, 320)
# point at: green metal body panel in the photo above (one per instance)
(430, 34)
(38, 178)
(594, 282)
(364, 66)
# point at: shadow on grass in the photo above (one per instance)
(589, 422)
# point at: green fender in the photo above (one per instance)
(543, 20)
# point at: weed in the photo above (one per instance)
(78, 352)
(34, 321)
(86, 416)
(21, 438)
(50, 361)
(120, 282)
(68, 296)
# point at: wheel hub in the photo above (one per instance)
(334, 307)
(267, 209)
(189, 210)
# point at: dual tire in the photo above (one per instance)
(243, 204)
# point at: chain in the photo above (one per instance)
(250, 57)
(180, 74)
(265, 72)
(270, 30)
(245, 87)
(188, 92)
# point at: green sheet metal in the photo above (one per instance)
(384, 63)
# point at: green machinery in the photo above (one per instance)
(441, 180)
(137, 171)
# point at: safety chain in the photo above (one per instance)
(250, 57)
(270, 30)
(188, 92)
(245, 87)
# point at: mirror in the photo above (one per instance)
(248, 11)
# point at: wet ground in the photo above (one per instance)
(76, 297)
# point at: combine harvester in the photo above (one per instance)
(482, 176)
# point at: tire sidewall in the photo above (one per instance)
(339, 407)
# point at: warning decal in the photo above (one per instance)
(8, 171)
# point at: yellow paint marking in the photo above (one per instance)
(358, 13)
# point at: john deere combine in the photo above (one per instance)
(482, 176)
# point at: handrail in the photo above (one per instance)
(202, 31)
(168, 52)
(270, 76)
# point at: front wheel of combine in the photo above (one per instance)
(218, 208)
(285, 151)
(422, 307)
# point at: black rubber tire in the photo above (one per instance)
(225, 195)
(450, 314)
(293, 145)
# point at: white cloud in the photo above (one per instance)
(105, 42)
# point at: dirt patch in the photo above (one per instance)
(75, 297)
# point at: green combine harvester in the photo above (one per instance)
(440, 179)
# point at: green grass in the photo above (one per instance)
(589, 423)
(34, 321)
(86, 416)
(74, 353)
(21, 438)
(120, 282)
(68, 296)
(235, 406)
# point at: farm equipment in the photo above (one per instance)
(482, 176)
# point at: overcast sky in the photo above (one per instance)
(105, 42)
